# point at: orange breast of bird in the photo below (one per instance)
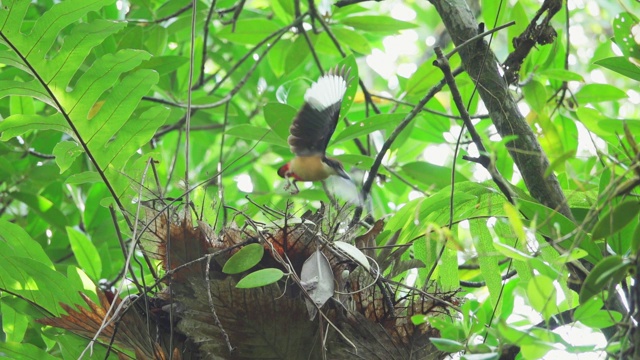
(310, 168)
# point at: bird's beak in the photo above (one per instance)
(343, 174)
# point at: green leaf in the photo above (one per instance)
(556, 225)
(14, 350)
(283, 9)
(58, 71)
(101, 104)
(614, 220)
(14, 324)
(594, 93)
(493, 12)
(625, 27)
(425, 76)
(248, 31)
(18, 124)
(15, 241)
(591, 314)
(260, 134)
(21, 105)
(589, 308)
(511, 252)
(376, 23)
(260, 278)
(37, 283)
(515, 221)
(44, 207)
(542, 295)
(297, 53)
(635, 240)
(430, 175)
(536, 349)
(621, 65)
(558, 163)
(164, 64)
(611, 268)
(447, 345)
(244, 259)
(487, 258)
(602, 319)
(353, 40)
(279, 117)
(30, 88)
(369, 125)
(86, 253)
(276, 57)
(561, 75)
(536, 95)
(66, 152)
(482, 356)
(83, 178)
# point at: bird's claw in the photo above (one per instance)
(287, 187)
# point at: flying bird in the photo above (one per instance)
(312, 129)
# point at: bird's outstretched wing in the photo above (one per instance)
(316, 121)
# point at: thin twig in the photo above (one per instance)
(163, 19)
(303, 32)
(443, 64)
(477, 37)
(434, 112)
(205, 35)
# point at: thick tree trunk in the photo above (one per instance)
(481, 64)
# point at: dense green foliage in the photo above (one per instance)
(94, 103)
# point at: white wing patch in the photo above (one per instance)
(328, 90)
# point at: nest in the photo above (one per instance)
(195, 311)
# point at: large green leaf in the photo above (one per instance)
(97, 102)
(487, 258)
(613, 221)
(621, 65)
(375, 23)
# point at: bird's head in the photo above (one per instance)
(282, 171)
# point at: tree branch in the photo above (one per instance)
(493, 89)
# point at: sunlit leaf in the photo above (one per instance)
(621, 65)
(86, 253)
(625, 36)
(15, 350)
(595, 93)
(44, 207)
(66, 152)
(248, 31)
(375, 23)
(542, 295)
(561, 74)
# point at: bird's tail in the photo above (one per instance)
(345, 189)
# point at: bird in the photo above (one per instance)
(311, 131)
